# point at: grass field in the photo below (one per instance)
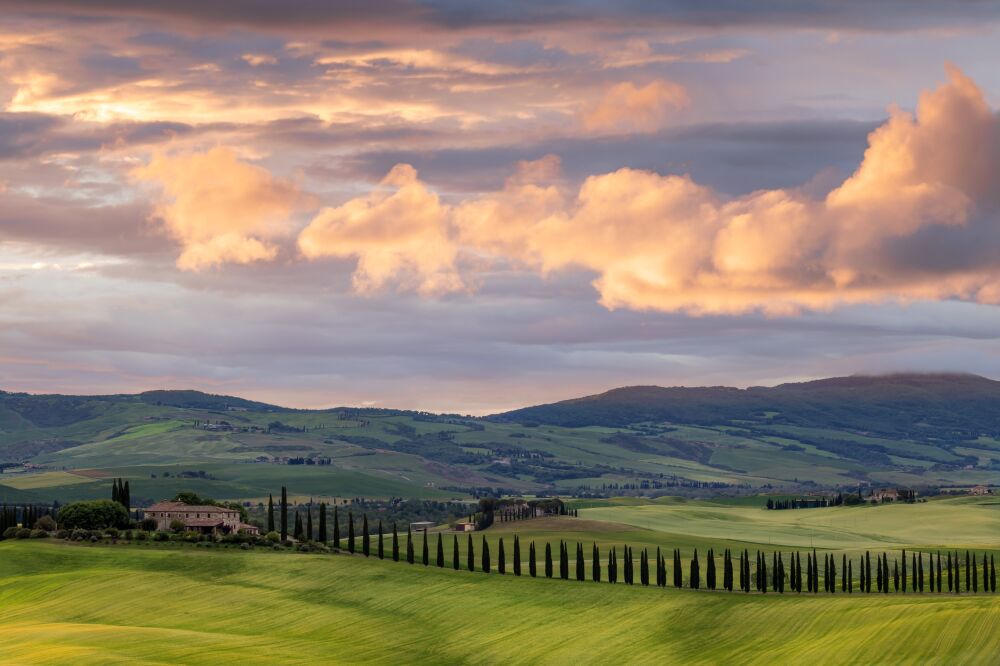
(63, 603)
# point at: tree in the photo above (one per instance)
(366, 540)
(381, 552)
(975, 575)
(309, 524)
(517, 556)
(284, 513)
(486, 555)
(695, 575)
(951, 583)
(850, 577)
(843, 573)
(993, 575)
(425, 555)
(470, 556)
(395, 544)
(678, 570)
(902, 581)
(91, 515)
(350, 532)
(563, 561)
(532, 563)
(298, 526)
(595, 564)
(710, 570)
(868, 571)
(270, 513)
(409, 546)
(440, 552)
(322, 523)
(548, 560)
(336, 529)
(643, 568)
(612, 566)
(581, 573)
(501, 558)
(968, 573)
(454, 553)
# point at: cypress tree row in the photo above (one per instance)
(548, 560)
(381, 538)
(410, 559)
(454, 553)
(532, 563)
(270, 513)
(425, 550)
(517, 556)
(395, 543)
(350, 532)
(501, 558)
(336, 528)
(595, 564)
(284, 513)
(581, 572)
(366, 540)
(322, 523)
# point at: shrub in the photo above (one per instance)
(148, 525)
(80, 534)
(244, 546)
(141, 536)
(273, 537)
(10, 532)
(63, 534)
(177, 526)
(22, 533)
(161, 536)
(94, 539)
(39, 534)
(93, 515)
(112, 532)
(45, 523)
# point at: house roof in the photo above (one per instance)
(203, 522)
(181, 506)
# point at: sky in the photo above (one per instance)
(471, 207)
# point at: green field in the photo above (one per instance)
(63, 603)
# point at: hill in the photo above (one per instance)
(947, 407)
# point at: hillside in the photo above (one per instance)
(925, 431)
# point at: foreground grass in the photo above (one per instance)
(86, 604)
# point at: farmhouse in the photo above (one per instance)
(465, 526)
(199, 518)
(979, 490)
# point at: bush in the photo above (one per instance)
(10, 532)
(161, 536)
(112, 532)
(177, 526)
(94, 515)
(79, 535)
(141, 536)
(22, 533)
(148, 525)
(63, 534)
(45, 523)
(39, 534)
(244, 546)
(273, 537)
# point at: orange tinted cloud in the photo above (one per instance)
(219, 208)
(628, 108)
(668, 243)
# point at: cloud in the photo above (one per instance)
(625, 108)
(219, 208)
(398, 233)
(924, 189)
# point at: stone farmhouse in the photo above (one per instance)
(199, 518)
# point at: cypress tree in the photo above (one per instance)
(895, 575)
(986, 578)
(501, 559)
(298, 526)
(532, 563)
(366, 540)
(850, 577)
(395, 542)
(695, 575)
(951, 583)
(878, 562)
(968, 573)
(350, 532)
(763, 573)
(581, 571)
(902, 580)
(612, 566)
(309, 525)
(336, 528)
(381, 551)
(975, 575)
(644, 568)
(833, 575)
(284, 513)
(270, 513)
(563, 561)
(595, 564)
(678, 569)
(710, 570)
(128, 497)
(843, 573)
(517, 556)
(809, 572)
(548, 560)
(454, 553)
(440, 552)
(470, 556)
(993, 575)
(920, 570)
(322, 523)
(868, 572)
(410, 554)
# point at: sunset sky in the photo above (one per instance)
(462, 206)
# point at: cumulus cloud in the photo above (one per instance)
(399, 232)
(219, 208)
(916, 220)
(626, 107)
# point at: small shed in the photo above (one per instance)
(465, 527)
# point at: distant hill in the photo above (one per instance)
(951, 407)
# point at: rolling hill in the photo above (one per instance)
(925, 431)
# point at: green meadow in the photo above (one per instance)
(71, 603)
